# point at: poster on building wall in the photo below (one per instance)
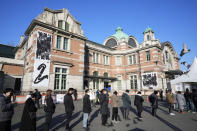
(149, 80)
(42, 60)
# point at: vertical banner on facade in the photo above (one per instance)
(149, 80)
(42, 60)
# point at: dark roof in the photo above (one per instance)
(7, 51)
(103, 46)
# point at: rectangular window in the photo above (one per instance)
(96, 57)
(65, 44)
(147, 55)
(118, 60)
(132, 59)
(133, 82)
(119, 82)
(60, 24)
(66, 26)
(105, 60)
(60, 78)
(58, 45)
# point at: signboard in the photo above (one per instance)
(149, 80)
(42, 60)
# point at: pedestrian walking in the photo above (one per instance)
(86, 108)
(170, 100)
(181, 102)
(194, 98)
(49, 109)
(138, 102)
(6, 110)
(28, 121)
(126, 104)
(38, 96)
(114, 102)
(154, 102)
(69, 107)
(104, 100)
(189, 102)
(75, 94)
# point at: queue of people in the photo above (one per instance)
(90, 98)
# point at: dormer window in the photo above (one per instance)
(66, 26)
(148, 37)
(60, 24)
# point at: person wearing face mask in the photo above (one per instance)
(28, 121)
(69, 107)
(6, 110)
(104, 107)
(86, 108)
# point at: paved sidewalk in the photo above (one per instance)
(164, 122)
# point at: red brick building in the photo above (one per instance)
(58, 56)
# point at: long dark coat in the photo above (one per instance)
(68, 103)
(50, 106)
(28, 124)
(138, 102)
(104, 99)
(86, 104)
(154, 101)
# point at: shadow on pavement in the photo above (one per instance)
(17, 125)
(136, 129)
(61, 120)
(162, 120)
(94, 115)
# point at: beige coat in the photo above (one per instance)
(170, 98)
(114, 101)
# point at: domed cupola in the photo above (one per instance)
(120, 34)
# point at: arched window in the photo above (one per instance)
(95, 73)
(95, 80)
(132, 42)
(105, 74)
(111, 42)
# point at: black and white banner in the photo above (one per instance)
(149, 80)
(42, 60)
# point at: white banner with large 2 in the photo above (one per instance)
(42, 60)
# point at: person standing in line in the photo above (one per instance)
(161, 94)
(28, 120)
(170, 100)
(138, 102)
(86, 108)
(126, 104)
(154, 102)
(104, 100)
(188, 99)
(69, 107)
(115, 107)
(181, 102)
(194, 98)
(49, 109)
(38, 96)
(6, 110)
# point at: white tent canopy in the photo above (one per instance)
(189, 77)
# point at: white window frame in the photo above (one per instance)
(62, 43)
(60, 83)
(95, 58)
(118, 63)
(119, 79)
(133, 81)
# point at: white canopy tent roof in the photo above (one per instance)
(190, 77)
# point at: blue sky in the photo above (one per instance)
(172, 20)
